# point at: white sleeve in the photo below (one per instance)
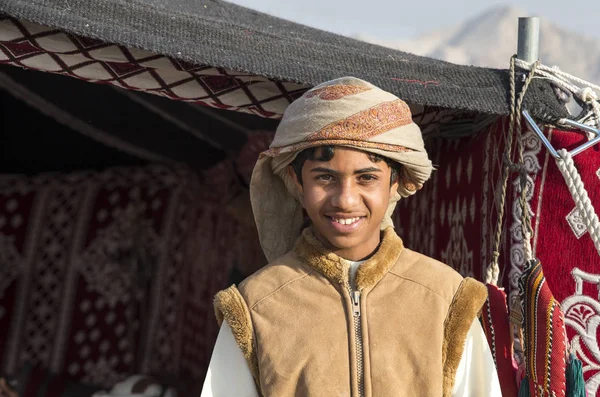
(228, 373)
(476, 375)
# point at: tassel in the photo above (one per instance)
(492, 272)
(575, 381)
(524, 388)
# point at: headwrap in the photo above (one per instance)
(344, 112)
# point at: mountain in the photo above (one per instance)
(490, 39)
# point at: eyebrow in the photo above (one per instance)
(334, 172)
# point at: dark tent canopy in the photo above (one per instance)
(54, 123)
(221, 34)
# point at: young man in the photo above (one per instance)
(343, 308)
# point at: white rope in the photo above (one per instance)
(589, 96)
(559, 76)
(587, 92)
(528, 252)
(584, 205)
(492, 273)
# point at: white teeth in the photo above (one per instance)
(345, 221)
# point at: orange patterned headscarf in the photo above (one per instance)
(344, 112)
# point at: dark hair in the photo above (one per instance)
(326, 153)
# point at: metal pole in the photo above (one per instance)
(529, 39)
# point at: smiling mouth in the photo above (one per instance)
(346, 225)
(345, 221)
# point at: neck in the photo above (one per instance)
(361, 252)
(311, 251)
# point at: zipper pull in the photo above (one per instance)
(356, 303)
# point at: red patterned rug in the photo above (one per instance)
(113, 273)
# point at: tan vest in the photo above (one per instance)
(305, 333)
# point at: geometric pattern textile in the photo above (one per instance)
(105, 274)
(33, 46)
(84, 252)
(453, 217)
(544, 334)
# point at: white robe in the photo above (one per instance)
(229, 376)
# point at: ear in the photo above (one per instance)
(299, 187)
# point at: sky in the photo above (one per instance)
(402, 19)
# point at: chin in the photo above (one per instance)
(343, 242)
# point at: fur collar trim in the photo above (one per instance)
(312, 252)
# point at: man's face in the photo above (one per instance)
(346, 199)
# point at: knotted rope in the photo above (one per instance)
(587, 92)
(515, 128)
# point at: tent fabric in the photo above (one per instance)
(33, 46)
(39, 47)
(223, 35)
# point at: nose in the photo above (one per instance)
(346, 196)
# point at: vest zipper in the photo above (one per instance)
(355, 298)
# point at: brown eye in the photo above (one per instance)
(368, 177)
(324, 177)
